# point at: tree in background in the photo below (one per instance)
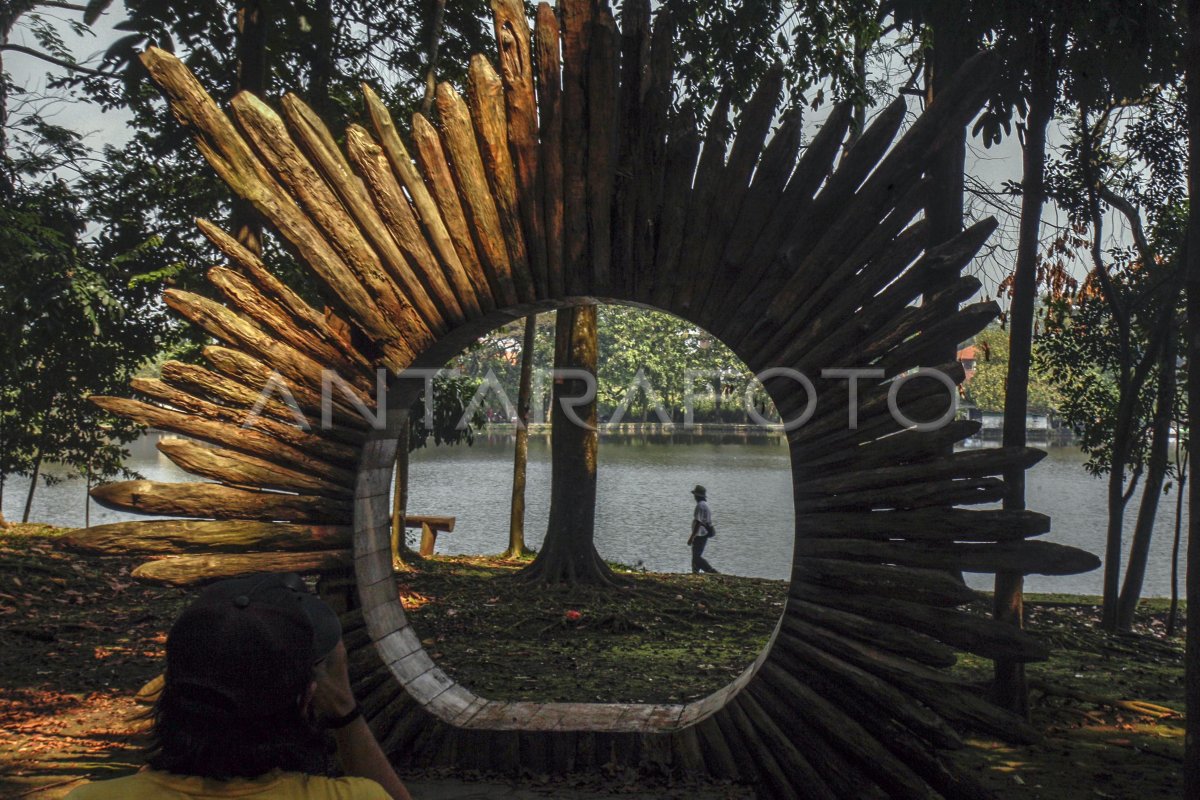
(516, 521)
(986, 388)
(450, 424)
(1126, 156)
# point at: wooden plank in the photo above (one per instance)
(576, 18)
(459, 272)
(754, 124)
(466, 165)
(318, 142)
(330, 331)
(242, 334)
(485, 93)
(236, 163)
(1025, 558)
(238, 469)
(434, 164)
(217, 501)
(454, 296)
(550, 186)
(246, 440)
(155, 537)
(516, 70)
(194, 570)
(289, 434)
(968, 632)
(238, 367)
(603, 86)
(333, 223)
(941, 525)
(930, 587)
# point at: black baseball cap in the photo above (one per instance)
(246, 646)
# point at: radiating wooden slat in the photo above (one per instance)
(603, 86)
(162, 537)
(311, 133)
(461, 272)
(193, 570)
(516, 70)
(485, 92)
(434, 165)
(444, 280)
(483, 218)
(239, 469)
(550, 177)
(288, 434)
(217, 501)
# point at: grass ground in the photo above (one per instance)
(79, 637)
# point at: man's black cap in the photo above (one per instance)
(246, 646)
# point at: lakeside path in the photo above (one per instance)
(79, 638)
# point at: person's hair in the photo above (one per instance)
(186, 738)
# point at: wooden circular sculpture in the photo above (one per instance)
(566, 184)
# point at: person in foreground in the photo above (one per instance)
(256, 672)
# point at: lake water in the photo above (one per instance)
(644, 503)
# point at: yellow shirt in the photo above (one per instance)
(153, 785)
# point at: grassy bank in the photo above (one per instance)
(79, 638)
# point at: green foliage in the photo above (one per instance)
(986, 387)
(663, 348)
(73, 325)
(1079, 354)
(452, 396)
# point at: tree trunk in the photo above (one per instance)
(944, 209)
(1180, 488)
(435, 39)
(252, 76)
(33, 479)
(516, 520)
(568, 553)
(400, 498)
(1191, 754)
(322, 64)
(1011, 690)
(1156, 473)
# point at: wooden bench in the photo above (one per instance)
(430, 526)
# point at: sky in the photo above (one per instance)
(992, 167)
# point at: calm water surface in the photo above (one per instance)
(644, 503)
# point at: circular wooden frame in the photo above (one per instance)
(578, 184)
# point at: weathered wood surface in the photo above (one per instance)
(1025, 558)
(471, 295)
(161, 537)
(485, 91)
(194, 570)
(270, 137)
(237, 164)
(550, 173)
(516, 70)
(238, 469)
(318, 142)
(246, 440)
(217, 501)
(941, 525)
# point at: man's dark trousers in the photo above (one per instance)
(698, 562)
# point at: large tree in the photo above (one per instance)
(568, 553)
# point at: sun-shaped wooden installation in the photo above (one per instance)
(566, 182)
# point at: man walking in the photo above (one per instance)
(702, 531)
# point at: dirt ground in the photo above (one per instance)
(79, 637)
